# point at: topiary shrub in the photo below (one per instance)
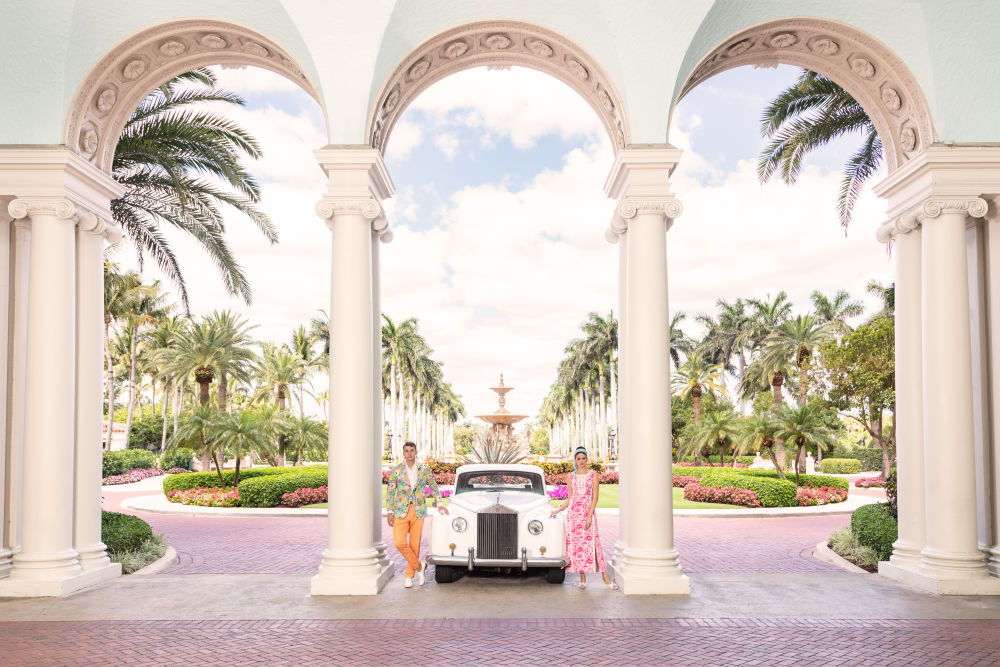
(178, 458)
(123, 532)
(840, 466)
(770, 492)
(874, 526)
(147, 432)
(267, 490)
(194, 480)
(120, 462)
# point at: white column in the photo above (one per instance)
(992, 252)
(89, 394)
(379, 232)
(909, 396)
(18, 314)
(5, 304)
(618, 233)
(950, 560)
(47, 563)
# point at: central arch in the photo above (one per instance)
(497, 44)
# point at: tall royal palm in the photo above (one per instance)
(810, 113)
(181, 165)
(802, 426)
(122, 291)
(836, 309)
(600, 348)
(794, 343)
(696, 377)
(144, 313)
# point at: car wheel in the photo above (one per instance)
(555, 575)
(444, 574)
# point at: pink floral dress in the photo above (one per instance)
(583, 546)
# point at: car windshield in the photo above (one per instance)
(499, 480)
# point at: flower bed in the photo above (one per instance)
(301, 497)
(869, 482)
(559, 492)
(206, 497)
(720, 494)
(807, 496)
(136, 475)
(177, 471)
(681, 481)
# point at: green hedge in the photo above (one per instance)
(874, 526)
(121, 461)
(266, 491)
(816, 480)
(870, 457)
(840, 466)
(123, 532)
(177, 458)
(194, 480)
(770, 492)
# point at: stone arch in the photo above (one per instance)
(875, 76)
(496, 44)
(120, 80)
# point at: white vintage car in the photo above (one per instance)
(498, 520)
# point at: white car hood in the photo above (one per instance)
(519, 501)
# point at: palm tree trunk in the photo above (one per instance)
(392, 405)
(614, 394)
(779, 446)
(111, 379)
(163, 414)
(131, 386)
(204, 392)
(223, 390)
(178, 400)
(741, 366)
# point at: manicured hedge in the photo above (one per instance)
(870, 457)
(840, 466)
(123, 532)
(874, 526)
(267, 490)
(194, 480)
(804, 480)
(121, 461)
(770, 492)
(177, 458)
(745, 460)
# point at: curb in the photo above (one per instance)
(168, 559)
(824, 553)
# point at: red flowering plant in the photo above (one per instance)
(206, 497)
(822, 495)
(720, 494)
(681, 481)
(301, 497)
(869, 482)
(134, 475)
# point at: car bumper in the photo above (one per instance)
(471, 562)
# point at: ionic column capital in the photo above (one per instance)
(367, 207)
(894, 227)
(933, 207)
(630, 207)
(87, 221)
(59, 207)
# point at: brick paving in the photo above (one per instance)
(504, 642)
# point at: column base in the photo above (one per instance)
(5, 563)
(94, 557)
(993, 562)
(20, 587)
(905, 556)
(360, 575)
(981, 584)
(386, 567)
(644, 572)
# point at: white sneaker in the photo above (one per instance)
(408, 583)
(420, 574)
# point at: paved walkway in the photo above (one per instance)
(239, 595)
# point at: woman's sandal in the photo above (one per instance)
(582, 586)
(613, 586)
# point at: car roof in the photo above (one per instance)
(491, 467)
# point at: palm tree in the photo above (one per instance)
(600, 349)
(144, 312)
(308, 437)
(242, 431)
(804, 425)
(303, 344)
(836, 310)
(122, 291)
(166, 148)
(279, 368)
(720, 429)
(695, 377)
(809, 114)
(233, 332)
(162, 341)
(887, 295)
(319, 330)
(760, 431)
(194, 431)
(680, 342)
(796, 340)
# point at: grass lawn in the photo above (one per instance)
(609, 498)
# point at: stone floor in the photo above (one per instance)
(240, 595)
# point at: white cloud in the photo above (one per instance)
(404, 138)
(447, 143)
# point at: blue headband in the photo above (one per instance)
(580, 450)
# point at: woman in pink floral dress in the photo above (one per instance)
(583, 544)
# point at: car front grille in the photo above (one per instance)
(496, 534)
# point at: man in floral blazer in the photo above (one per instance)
(410, 484)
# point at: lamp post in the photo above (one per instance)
(388, 435)
(613, 454)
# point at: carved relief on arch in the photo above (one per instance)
(117, 82)
(496, 43)
(878, 79)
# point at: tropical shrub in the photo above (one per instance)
(194, 480)
(301, 497)
(875, 527)
(681, 481)
(869, 482)
(206, 497)
(804, 480)
(121, 461)
(267, 490)
(840, 466)
(890, 492)
(147, 432)
(134, 475)
(823, 495)
(721, 494)
(180, 457)
(123, 532)
(770, 492)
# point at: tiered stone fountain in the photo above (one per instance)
(502, 421)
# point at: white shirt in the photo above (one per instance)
(411, 474)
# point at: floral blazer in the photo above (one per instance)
(399, 494)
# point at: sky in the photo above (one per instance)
(499, 218)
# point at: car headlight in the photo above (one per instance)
(458, 524)
(535, 527)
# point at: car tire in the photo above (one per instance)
(444, 574)
(555, 575)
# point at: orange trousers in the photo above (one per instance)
(408, 527)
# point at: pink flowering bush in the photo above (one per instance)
(567, 477)
(720, 494)
(819, 495)
(444, 477)
(869, 482)
(206, 496)
(301, 497)
(446, 493)
(177, 471)
(681, 481)
(135, 475)
(558, 493)
(707, 464)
